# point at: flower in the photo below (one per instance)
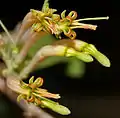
(33, 87)
(58, 24)
(38, 96)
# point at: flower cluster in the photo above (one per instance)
(46, 20)
(19, 64)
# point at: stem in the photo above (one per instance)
(44, 52)
(9, 64)
(27, 22)
(14, 84)
(96, 18)
(29, 67)
(6, 59)
(38, 57)
(13, 48)
(24, 28)
(32, 37)
(8, 34)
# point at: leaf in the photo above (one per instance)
(45, 40)
(75, 68)
(50, 61)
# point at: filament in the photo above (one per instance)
(96, 18)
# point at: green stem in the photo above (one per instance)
(46, 51)
(6, 31)
(24, 73)
(8, 63)
(5, 58)
(32, 37)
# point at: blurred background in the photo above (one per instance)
(88, 90)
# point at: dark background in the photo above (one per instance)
(97, 93)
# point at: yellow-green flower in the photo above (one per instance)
(57, 24)
(38, 96)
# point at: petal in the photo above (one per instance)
(63, 14)
(31, 98)
(53, 105)
(23, 85)
(102, 59)
(20, 97)
(31, 80)
(84, 57)
(73, 14)
(50, 95)
(38, 82)
(80, 55)
(98, 55)
(56, 107)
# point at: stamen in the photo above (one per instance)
(96, 18)
(82, 25)
(49, 95)
(73, 14)
(48, 18)
(67, 32)
(56, 17)
(73, 35)
(31, 99)
(69, 19)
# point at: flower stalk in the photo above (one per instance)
(8, 34)
(32, 38)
